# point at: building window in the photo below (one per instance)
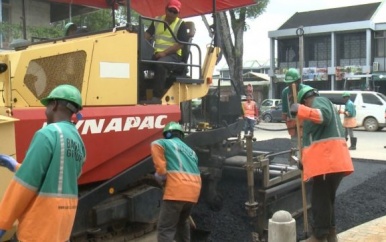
(380, 47)
(288, 51)
(352, 46)
(6, 18)
(318, 50)
(5, 11)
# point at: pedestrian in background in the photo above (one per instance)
(287, 99)
(43, 195)
(176, 165)
(250, 114)
(325, 159)
(349, 121)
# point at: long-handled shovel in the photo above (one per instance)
(304, 198)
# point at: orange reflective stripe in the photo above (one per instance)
(249, 109)
(158, 155)
(326, 156)
(182, 187)
(349, 122)
(314, 115)
(56, 226)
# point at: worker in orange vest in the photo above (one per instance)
(250, 114)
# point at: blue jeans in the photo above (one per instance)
(249, 125)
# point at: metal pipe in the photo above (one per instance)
(24, 20)
(251, 205)
(1, 20)
(113, 12)
(279, 167)
(128, 12)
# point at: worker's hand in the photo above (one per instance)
(160, 178)
(2, 232)
(300, 166)
(9, 162)
(159, 55)
(294, 108)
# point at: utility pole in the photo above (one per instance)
(300, 34)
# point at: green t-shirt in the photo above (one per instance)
(54, 161)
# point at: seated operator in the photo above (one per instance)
(166, 49)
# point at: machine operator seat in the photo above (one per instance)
(182, 70)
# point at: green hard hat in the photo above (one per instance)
(305, 92)
(173, 126)
(292, 75)
(346, 94)
(64, 92)
(68, 26)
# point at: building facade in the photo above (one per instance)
(341, 48)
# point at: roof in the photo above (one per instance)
(331, 16)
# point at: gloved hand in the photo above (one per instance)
(294, 108)
(160, 178)
(9, 162)
(300, 166)
(2, 232)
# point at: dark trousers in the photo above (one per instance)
(173, 223)
(322, 201)
(161, 73)
(249, 125)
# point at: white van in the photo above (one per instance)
(370, 107)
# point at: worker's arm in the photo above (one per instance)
(256, 111)
(182, 35)
(9, 162)
(317, 114)
(158, 155)
(149, 33)
(27, 181)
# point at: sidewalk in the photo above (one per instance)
(372, 231)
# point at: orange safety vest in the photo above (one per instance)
(249, 109)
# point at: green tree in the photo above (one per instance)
(232, 25)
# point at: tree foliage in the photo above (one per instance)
(231, 26)
(95, 21)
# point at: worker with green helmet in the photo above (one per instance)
(70, 29)
(349, 121)
(325, 158)
(292, 76)
(45, 183)
(176, 165)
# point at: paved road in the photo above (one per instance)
(370, 146)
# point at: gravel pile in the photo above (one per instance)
(357, 204)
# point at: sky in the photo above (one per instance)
(256, 41)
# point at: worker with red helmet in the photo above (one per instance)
(176, 164)
(166, 48)
(325, 158)
(250, 114)
(43, 194)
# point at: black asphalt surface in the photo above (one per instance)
(360, 199)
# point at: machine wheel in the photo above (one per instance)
(267, 118)
(371, 124)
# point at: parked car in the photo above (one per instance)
(267, 104)
(370, 107)
(273, 114)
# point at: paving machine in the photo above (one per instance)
(118, 197)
